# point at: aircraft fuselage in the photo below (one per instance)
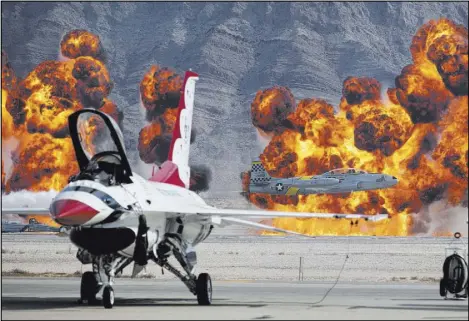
(104, 219)
(324, 184)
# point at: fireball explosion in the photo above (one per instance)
(419, 134)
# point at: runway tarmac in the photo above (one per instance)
(47, 298)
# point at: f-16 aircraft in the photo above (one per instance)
(117, 217)
(342, 180)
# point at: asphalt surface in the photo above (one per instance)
(47, 298)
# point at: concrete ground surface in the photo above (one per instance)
(55, 298)
(370, 259)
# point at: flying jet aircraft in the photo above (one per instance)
(342, 180)
(117, 217)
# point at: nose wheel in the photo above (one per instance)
(108, 297)
(89, 287)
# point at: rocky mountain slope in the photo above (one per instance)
(237, 48)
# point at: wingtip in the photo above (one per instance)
(377, 217)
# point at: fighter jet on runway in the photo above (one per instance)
(343, 180)
(32, 226)
(118, 217)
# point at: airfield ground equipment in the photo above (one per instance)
(455, 272)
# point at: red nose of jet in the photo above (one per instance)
(72, 212)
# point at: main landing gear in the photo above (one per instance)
(105, 267)
(204, 289)
(200, 286)
(102, 277)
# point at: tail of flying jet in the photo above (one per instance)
(259, 175)
(176, 170)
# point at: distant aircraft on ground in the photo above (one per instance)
(32, 226)
(342, 180)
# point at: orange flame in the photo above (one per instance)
(270, 108)
(160, 92)
(43, 220)
(35, 110)
(80, 43)
(3, 175)
(419, 135)
(149, 142)
(110, 108)
(41, 162)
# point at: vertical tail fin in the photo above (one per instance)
(176, 169)
(259, 175)
(180, 145)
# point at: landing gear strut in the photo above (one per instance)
(105, 267)
(200, 286)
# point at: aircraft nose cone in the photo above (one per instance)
(71, 212)
(392, 179)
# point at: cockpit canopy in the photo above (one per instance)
(345, 171)
(96, 135)
(99, 147)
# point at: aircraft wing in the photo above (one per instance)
(212, 211)
(236, 221)
(223, 217)
(26, 211)
(275, 214)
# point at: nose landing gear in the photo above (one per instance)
(89, 288)
(102, 277)
(108, 297)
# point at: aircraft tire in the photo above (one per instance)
(108, 297)
(89, 287)
(443, 290)
(204, 289)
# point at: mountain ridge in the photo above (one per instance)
(237, 49)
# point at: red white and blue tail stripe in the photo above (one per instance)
(176, 170)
